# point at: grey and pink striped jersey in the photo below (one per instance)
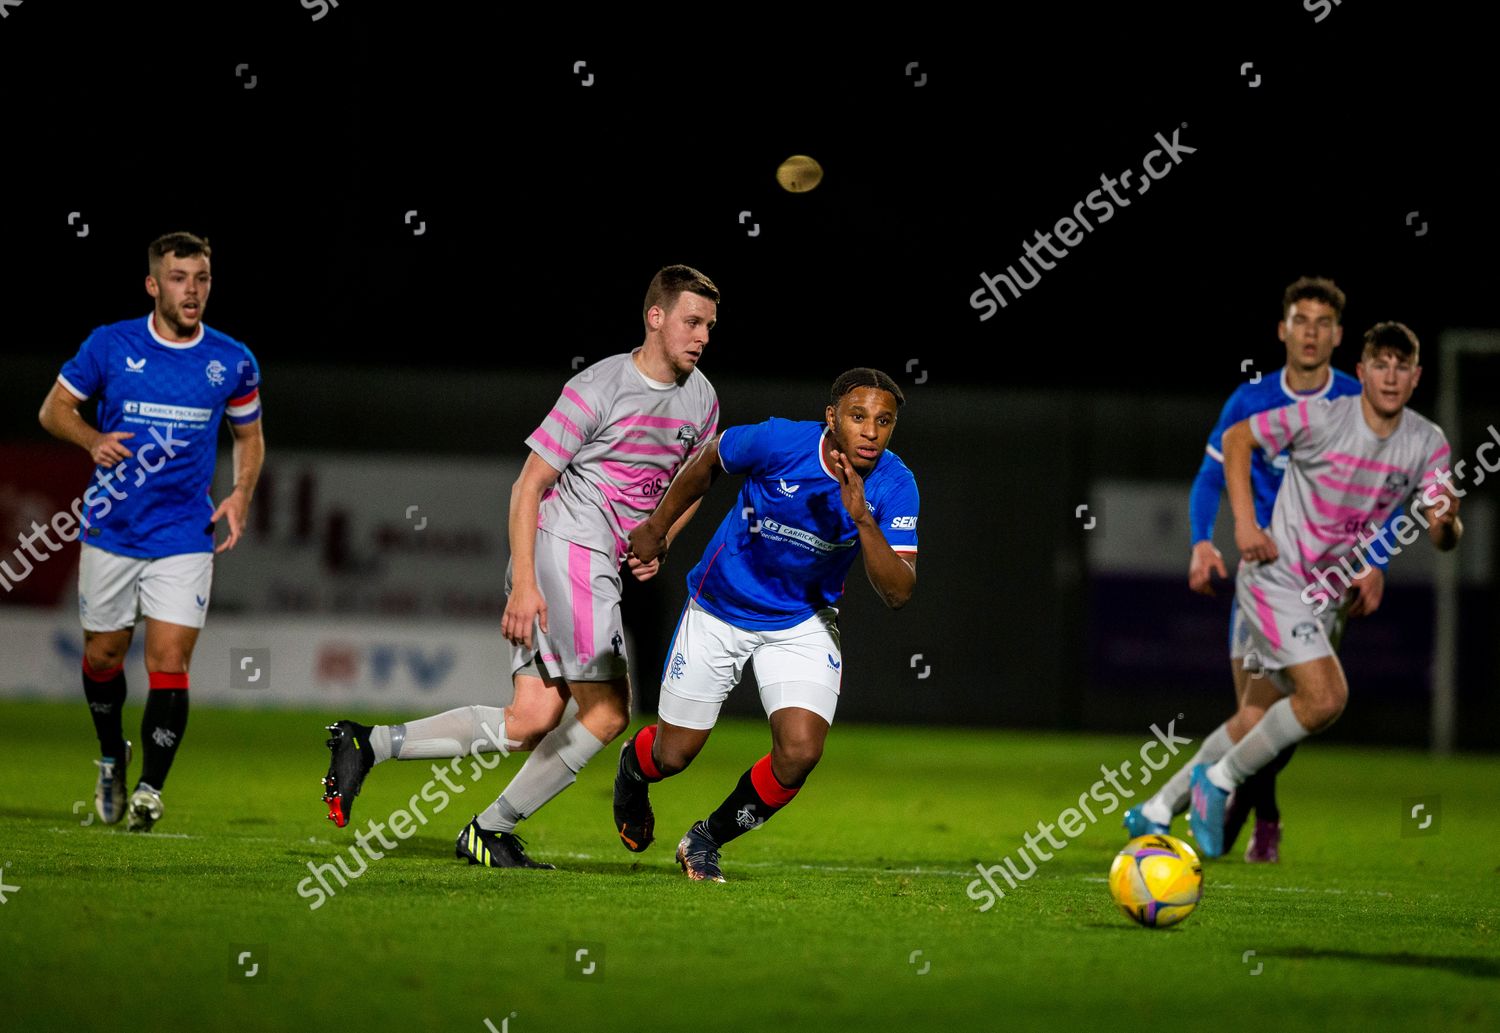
(618, 438)
(1342, 482)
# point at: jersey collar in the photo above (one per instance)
(1286, 388)
(159, 339)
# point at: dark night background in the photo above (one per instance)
(548, 205)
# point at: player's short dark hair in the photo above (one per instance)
(1392, 337)
(672, 280)
(863, 376)
(1314, 288)
(183, 245)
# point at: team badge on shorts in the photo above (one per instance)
(1304, 632)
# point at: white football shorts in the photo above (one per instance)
(115, 591)
(800, 666)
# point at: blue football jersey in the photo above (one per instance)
(171, 396)
(782, 553)
(1266, 471)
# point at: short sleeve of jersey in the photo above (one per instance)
(1436, 468)
(747, 449)
(575, 419)
(710, 425)
(244, 404)
(897, 512)
(1301, 426)
(83, 374)
(1228, 417)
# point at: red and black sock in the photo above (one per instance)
(163, 724)
(105, 691)
(637, 761)
(757, 797)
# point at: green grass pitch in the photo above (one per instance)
(1360, 928)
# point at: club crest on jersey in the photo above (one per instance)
(687, 434)
(1304, 632)
(1395, 483)
(215, 372)
(134, 365)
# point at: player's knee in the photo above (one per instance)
(671, 761)
(102, 655)
(606, 716)
(167, 661)
(795, 759)
(527, 726)
(1325, 709)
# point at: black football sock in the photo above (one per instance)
(105, 692)
(163, 724)
(1266, 808)
(755, 799)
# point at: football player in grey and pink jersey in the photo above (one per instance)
(1353, 461)
(600, 462)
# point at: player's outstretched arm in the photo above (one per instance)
(525, 607)
(249, 457)
(1254, 544)
(650, 540)
(60, 418)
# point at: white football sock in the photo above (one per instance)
(453, 733)
(551, 768)
(1277, 730)
(1172, 798)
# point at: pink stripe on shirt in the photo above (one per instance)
(653, 421)
(552, 446)
(566, 424)
(1333, 512)
(1266, 437)
(577, 399)
(1346, 459)
(636, 449)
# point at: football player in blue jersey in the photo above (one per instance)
(1311, 328)
(163, 383)
(815, 495)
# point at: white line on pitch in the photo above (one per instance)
(1274, 889)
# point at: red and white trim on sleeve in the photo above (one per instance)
(244, 409)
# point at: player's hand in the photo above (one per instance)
(234, 507)
(524, 609)
(108, 449)
(1205, 563)
(1433, 503)
(647, 544)
(1255, 545)
(643, 571)
(1368, 590)
(851, 487)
